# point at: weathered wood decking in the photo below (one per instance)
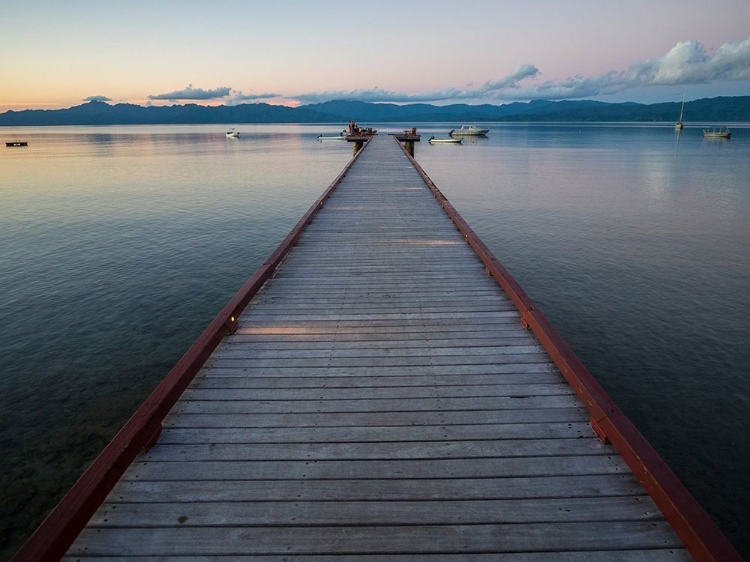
(380, 401)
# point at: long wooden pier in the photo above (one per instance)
(380, 398)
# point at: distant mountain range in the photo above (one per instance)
(719, 110)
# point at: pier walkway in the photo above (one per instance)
(381, 400)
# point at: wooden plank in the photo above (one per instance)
(215, 379)
(660, 555)
(379, 450)
(371, 362)
(598, 485)
(346, 351)
(377, 419)
(363, 329)
(369, 371)
(499, 538)
(468, 336)
(344, 316)
(236, 514)
(326, 434)
(384, 405)
(422, 343)
(197, 392)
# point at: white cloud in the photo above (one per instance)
(522, 72)
(191, 93)
(688, 62)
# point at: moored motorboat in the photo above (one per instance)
(233, 134)
(16, 143)
(717, 133)
(433, 140)
(469, 131)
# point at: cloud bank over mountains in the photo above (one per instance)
(688, 62)
(191, 93)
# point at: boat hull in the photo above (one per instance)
(469, 132)
(718, 134)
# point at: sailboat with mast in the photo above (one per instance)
(678, 125)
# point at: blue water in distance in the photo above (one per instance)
(119, 244)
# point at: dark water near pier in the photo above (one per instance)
(119, 244)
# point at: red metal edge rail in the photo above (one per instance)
(57, 532)
(700, 535)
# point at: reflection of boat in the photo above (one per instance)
(468, 131)
(678, 125)
(718, 133)
(433, 140)
(17, 143)
(341, 136)
(232, 134)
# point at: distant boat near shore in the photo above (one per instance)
(16, 143)
(717, 133)
(469, 131)
(233, 134)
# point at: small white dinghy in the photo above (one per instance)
(233, 134)
(433, 140)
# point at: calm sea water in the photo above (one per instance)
(119, 244)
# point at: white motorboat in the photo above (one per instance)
(433, 140)
(469, 131)
(233, 134)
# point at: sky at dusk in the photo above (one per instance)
(56, 54)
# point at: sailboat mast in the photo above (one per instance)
(682, 107)
(678, 125)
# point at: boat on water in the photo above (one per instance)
(433, 140)
(717, 133)
(469, 131)
(16, 143)
(233, 134)
(678, 125)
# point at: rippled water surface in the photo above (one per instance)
(119, 244)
